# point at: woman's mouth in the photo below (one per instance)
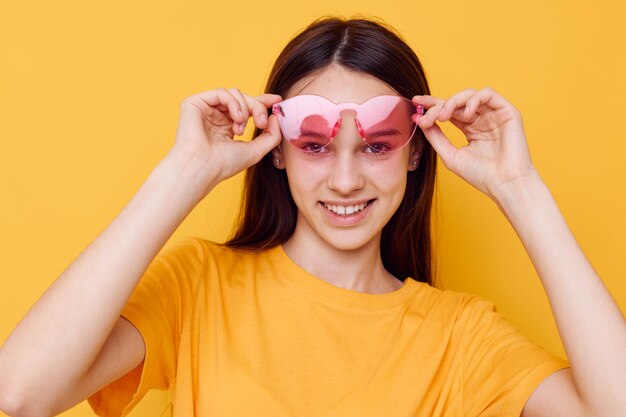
(346, 215)
(346, 210)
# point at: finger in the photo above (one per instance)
(269, 99)
(460, 118)
(259, 105)
(427, 100)
(429, 118)
(441, 144)
(266, 141)
(240, 127)
(486, 99)
(457, 100)
(221, 98)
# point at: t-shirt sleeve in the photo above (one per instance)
(158, 308)
(501, 366)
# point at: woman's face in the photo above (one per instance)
(347, 177)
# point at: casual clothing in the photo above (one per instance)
(249, 333)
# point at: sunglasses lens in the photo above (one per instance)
(385, 122)
(310, 122)
(306, 122)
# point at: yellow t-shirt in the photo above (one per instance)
(234, 333)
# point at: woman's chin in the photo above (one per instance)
(348, 240)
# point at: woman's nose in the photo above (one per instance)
(346, 171)
(346, 175)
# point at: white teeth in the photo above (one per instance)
(345, 210)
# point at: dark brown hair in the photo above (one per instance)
(268, 213)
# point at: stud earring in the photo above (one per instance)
(414, 163)
(277, 161)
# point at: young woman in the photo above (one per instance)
(321, 304)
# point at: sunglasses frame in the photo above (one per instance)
(278, 111)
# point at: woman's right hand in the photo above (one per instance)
(207, 123)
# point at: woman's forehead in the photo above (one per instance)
(340, 84)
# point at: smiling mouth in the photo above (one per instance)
(346, 210)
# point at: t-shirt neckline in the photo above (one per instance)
(338, 295)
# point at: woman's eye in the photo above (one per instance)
(378, 148)
(313, 149)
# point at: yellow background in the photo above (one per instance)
(89, 96)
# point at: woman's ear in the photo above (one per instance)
(416, 153)
(277, 157)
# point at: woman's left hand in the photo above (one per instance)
(496, 157)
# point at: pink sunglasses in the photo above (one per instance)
(310, 122)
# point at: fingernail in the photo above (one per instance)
(263, 117)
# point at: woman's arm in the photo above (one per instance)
(591, 325)
(593, 330)
(58, 340)
(62, 334)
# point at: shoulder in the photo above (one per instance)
(208, 250)
(220, 252)
(217, 259)
(457, 305)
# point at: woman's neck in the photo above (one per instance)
(359, 269)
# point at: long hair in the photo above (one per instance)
(268, 213)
